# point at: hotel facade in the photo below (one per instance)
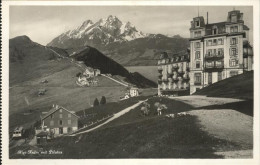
(173, 78)
(218, 50)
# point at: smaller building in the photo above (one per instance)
(59, 121)
(83, 81)
(90, 72)
(134, 92)
(97, 72)
(41, 138)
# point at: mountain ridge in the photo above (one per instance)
(120, 41)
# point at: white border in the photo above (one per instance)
(5, 82)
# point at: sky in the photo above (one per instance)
(44, 23)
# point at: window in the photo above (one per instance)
(197, 23)
(233, 29)
(197, 55)
(233, 73)
(60, 122)
(209, 42)
(210, 52)
(233, 51)
(197, 33)
(197, 79)
(220, 51)
(69, 122)
(69, 129)
(219, 76)
(60, 116)
(214, 31)
(234, 18)
(197, 64)
(214, 52)
(233, 41)
(233, 62)
(60, 110)
(51, 116)
(197, 44)
(209, 78)
(69, 115)
(215, 42)
(51, 123)
(209, 64)
(220, 41)
(219, 64)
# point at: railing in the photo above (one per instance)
(197, 83)
(214, 67)
(214, 56)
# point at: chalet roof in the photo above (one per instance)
(56, 108)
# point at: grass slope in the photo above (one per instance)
(240, 86)
(139, 137)
(31, 63)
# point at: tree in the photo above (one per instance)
(103, 100)
(96, 103)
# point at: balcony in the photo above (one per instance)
(214, 68)
(186, 77)
(214, 56)
(165, 80)
(175, 67)
(175, 79)
(180, 73)
(187, 69)
(169, 74)
(197, 83)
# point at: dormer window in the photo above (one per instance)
(215, 30)
(197, 23)
(233, 18)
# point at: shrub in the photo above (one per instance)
(96, 103)
(103, 100)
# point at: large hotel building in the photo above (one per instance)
(217, 51)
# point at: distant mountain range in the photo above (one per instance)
(120, 41)
(30, 60)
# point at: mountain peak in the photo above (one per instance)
(104, 31)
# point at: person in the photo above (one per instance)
(159, 110)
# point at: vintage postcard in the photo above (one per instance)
(132, 82)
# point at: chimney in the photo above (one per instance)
(207, 17)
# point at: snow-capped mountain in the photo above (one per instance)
(102, 32)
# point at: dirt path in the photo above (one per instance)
(227, 124)
(117, 115)
(126, 85)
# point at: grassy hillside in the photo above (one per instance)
(30, 64)
(140, 137)
(240, 86)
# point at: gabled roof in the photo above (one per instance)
(56, 108)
